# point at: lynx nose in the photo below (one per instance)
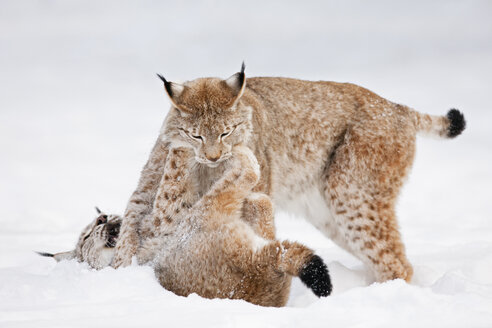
(214, 157)
(103, 218)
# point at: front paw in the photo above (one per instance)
(120, 262)
(246, 159)
(123, 256)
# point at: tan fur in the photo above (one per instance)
(96, 242)
(334, 153)
(221, 245)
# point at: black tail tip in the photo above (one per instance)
(315, 276)
(457, 123)
(45, 254)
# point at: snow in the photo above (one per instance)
(80, 108)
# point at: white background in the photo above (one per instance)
(80, 108)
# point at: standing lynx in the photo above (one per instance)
(334, 153)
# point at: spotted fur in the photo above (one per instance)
(219, 245)
(96, 243)
(334, 153)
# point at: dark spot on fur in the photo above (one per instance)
(373, 260)
(383, 252)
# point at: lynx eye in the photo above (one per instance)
(227, 133)
(189, 134)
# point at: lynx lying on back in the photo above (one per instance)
(334, 153)
(220, 245)
(96, 242)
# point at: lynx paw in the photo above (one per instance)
(315, 276)
(123, 257)
(247, 159)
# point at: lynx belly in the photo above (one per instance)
(308, 204)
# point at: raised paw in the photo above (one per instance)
(258, 212)
(315, 275)
(244, 158)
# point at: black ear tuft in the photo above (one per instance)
(315, 276)
(167, 85)
(98, 210)
(161, 77)
(241, 74)
(457, 123)
(237, 82)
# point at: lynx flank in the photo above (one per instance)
(334, 153)
(221, 245)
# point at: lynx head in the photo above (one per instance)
(208, 115)
(96, 242)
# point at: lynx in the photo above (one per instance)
(220, 245)
(96, 242)
(334, 153)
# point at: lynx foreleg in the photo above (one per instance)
(177, 191)
(140, 204)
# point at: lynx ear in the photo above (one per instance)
(174, 91)
(60, 256)
(237, 83)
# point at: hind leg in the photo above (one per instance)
(361, 185)
(367, 228)
(258, 213)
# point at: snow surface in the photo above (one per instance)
(80, 108)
